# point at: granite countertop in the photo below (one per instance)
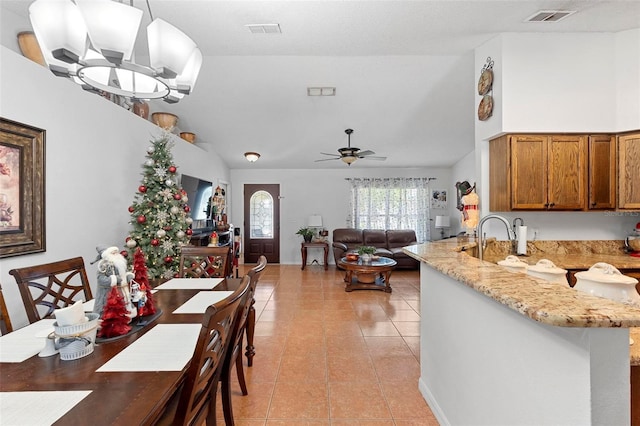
(540, 300)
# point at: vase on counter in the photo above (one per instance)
(366, 258)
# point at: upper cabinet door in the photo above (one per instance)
(602, 172)
(629, 171)
(567, 172)
(529, 172)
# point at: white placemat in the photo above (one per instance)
(37, 408)
(25, 342)
(199, 303)
(166, 347)
(190, 284)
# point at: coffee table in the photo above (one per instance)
(373, 275)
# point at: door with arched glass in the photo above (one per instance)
(261, 222)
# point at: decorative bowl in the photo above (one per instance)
(352, 257)
(164, 120)
(188, 136)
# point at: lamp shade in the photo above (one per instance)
(115, 42)
(59, 28)
(169, 48)
(443, 222)
(251, 157)
(187, 79)
(315, 221)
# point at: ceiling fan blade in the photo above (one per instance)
(369, 157)
(365, 153)
(333, 155)
(326, 159)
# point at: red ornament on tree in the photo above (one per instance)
(187, 209)
(188, 231)
(168, 259)
(177, 196)
(142, 188)
(131, 209)
(124, 253)
(154, 242)
(142, 219)
(172, 169)
(167, 228)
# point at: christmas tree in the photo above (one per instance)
(160, 216)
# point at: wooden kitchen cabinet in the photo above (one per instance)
(602, 172)
(629, 171)
(538, 172)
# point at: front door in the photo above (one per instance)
(261, 222)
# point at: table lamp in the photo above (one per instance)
(442, 222)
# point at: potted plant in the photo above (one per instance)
(366, 252)
(307, 234)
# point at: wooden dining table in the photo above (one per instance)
(127, 398)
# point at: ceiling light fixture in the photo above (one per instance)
(251, 157)
(92, 41)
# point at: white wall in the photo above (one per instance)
(323, 192)
(94, 155)
(627, 78)
(561, 83)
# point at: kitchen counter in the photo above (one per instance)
(535, 298)
(543, 353)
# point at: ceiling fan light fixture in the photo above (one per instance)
(349, 159)
(251, 157)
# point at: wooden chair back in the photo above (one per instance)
(198, 398)
(205, 262)
(234, 354)
(51, 286)
(5, 321)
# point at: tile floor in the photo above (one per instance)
(328, 357)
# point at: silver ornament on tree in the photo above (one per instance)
(169, 182)
(161, 233)
(149, 163)
(180, 234)
(174, 210)
(189, 220)
(131, 243)
(151, 149)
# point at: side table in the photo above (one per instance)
(318, 244)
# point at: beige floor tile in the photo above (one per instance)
(296, 401)
(358, 400)
(378, 328)
(408, 328)
(397, 368)
(355, 367)
(303, 368)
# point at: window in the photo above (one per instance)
(261, 215)
(391, 203)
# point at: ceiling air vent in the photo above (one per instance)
(264, 28)
(549, 15)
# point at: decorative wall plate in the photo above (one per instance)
(485, 109)
(485, 82)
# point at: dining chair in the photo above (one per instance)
(195, 402)
(51, 286)
(205, 262)
(234, 354)
(5, 321)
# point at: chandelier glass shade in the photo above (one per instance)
(251, 157)
(92, 42)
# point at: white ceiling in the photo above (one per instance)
(403, 72)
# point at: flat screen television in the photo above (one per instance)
(199, 191)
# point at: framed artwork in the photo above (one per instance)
(22, 225)
(439, 199)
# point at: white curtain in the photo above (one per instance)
(391, 203)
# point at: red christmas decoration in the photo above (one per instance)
(124, 253)
(167, 228)
(187, 209)
(188, 231)
(115, 321)
(154, 242)
(177, 196)
(168, 259)
(142, 188)
(142, 219)
(131, 209)
(172, 169)
(142, 277)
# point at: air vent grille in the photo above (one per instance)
(264, 28)
(549, 15)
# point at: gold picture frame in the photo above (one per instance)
(22, 189)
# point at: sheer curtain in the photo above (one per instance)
(390, 203)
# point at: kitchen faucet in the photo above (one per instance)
(481, 239)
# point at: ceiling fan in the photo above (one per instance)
(350, 154)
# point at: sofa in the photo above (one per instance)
(388, 243)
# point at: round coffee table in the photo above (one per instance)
(373, 275)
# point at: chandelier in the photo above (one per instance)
(92, 42)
